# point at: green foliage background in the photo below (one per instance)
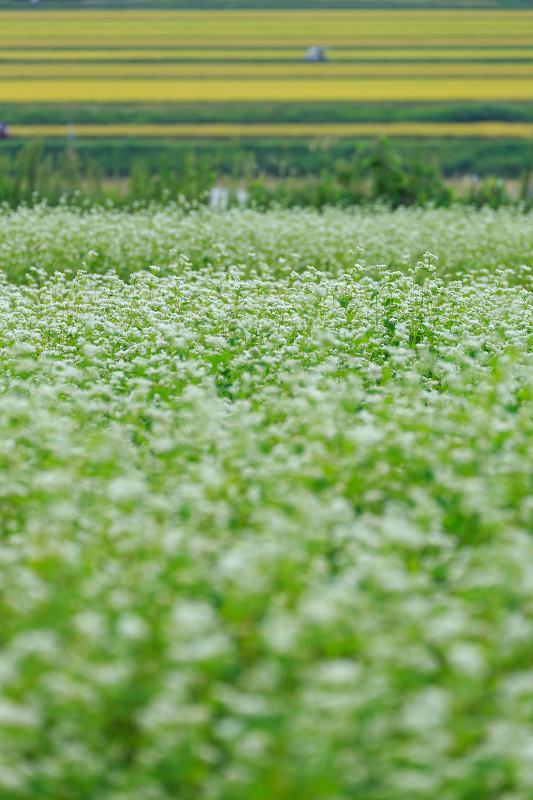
(503, 157)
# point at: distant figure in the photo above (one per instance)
(316, 54)
(5, 133)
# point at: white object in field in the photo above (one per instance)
(219, 198)
(242, 196)
(316, 54)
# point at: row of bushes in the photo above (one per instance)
(279, 156)
(31, 176)
(373, 173)
(73, 114)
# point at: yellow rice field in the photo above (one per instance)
(261, 54)
(38, 28)
(280, 71)
(514, 130)
(253, 56)
(185, 90)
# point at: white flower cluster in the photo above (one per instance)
(265, 529)
(113, 239)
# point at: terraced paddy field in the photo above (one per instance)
(183, 57)
(266, 504)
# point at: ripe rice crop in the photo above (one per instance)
(109, 90)
(249, 71)
(266, 504)
(517, 130)
(231, 54)
(279, 28)
(256, 56)
(182, 54)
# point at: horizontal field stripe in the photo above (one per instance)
(41, 27)
(300, 42)
(259, 54)
(212, 71)
(261, 90)
(516, 130)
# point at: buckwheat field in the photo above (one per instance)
(266, 505)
